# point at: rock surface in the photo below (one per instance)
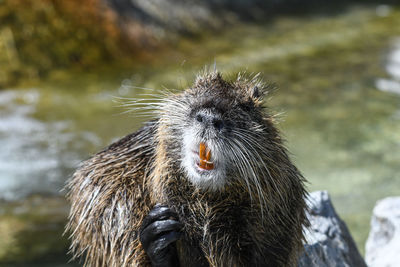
(383, 244)
(328, 241)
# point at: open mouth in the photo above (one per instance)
(205, 162)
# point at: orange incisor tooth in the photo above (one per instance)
(205, 156)
(208, 155)
(202, 151)
(209, 166)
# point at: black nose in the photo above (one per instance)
(210, 120)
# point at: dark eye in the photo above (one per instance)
(199, 118)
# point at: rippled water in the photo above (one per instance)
(392, 84)
(339, 96)
(36, 156)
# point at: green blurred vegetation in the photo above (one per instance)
(38, 36)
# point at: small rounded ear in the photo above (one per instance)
(255, 92)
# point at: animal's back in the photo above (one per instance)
(109, 200)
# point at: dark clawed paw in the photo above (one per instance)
(159, 230)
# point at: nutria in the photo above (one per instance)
(207, 183)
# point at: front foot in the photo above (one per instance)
(158, 234)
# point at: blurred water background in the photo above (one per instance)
(64, 63)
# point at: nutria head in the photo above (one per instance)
(216, 130)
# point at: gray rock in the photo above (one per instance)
(383, 244)
(328, 241)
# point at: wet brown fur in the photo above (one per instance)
(112, 192)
